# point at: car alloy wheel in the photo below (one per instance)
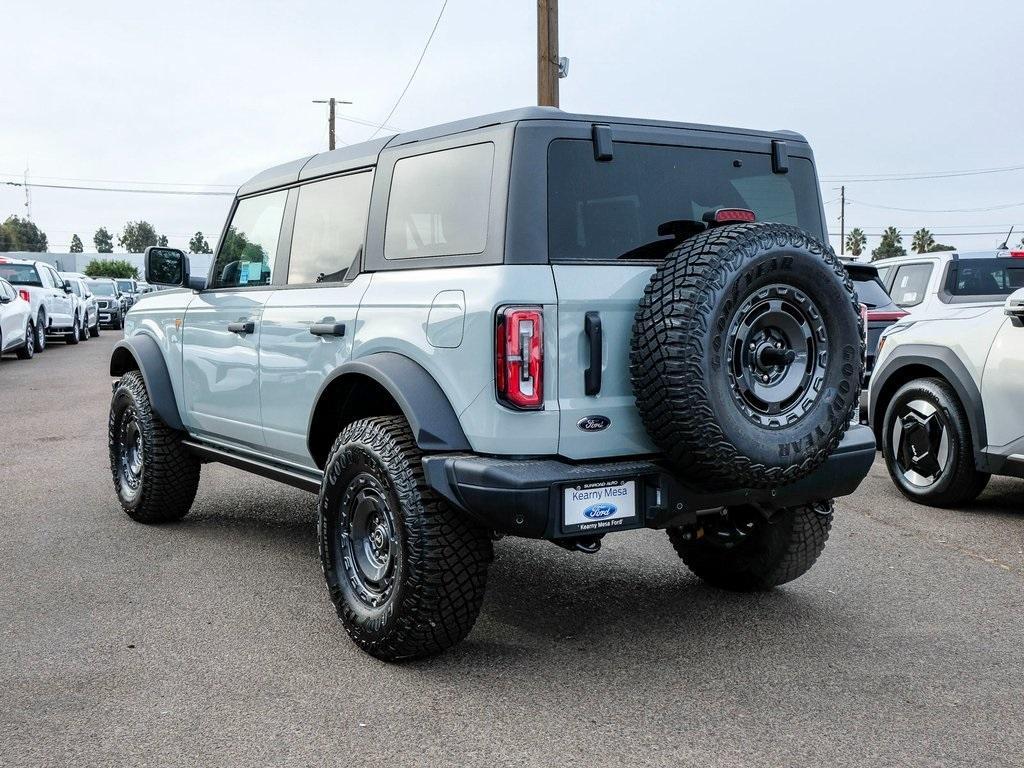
(40, 336)
(920, 436)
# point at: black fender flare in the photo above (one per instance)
(433, 421)
(143, 353)
(944, 362)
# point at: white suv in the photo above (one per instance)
(50, 296)
(945, 395)
(936, 283)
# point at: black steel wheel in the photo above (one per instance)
(927, 444)
(405, 571)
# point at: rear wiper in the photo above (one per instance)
(679, 229)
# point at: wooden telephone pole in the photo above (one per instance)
(331, 102)
(547, 53)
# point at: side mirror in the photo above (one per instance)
(1014, 306)
(5, 299)
(166, 266)
(67, 287)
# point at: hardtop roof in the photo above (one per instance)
(365, 153)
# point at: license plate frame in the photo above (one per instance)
(583, 507)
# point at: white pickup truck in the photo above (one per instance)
(53, 306)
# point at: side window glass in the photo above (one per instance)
(908, 289)
(439, 203)
(330, 223)
(75, 288)
(44, 277)
(883, 273)
(246, 257)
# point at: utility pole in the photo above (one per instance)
(330, 117)
(28, 196)
(547, 53)
(842, 220)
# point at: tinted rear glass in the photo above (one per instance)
(870, 291)
(602, 210)
(20, 274)
(985, 277)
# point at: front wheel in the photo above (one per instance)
(155, 476)
(74, 336)
(926, 441)
(41, 334)
(405, 571)
(83, 331)
(742, 550)
(95, 330)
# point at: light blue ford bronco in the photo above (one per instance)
(530, 323)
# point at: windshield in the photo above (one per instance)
(20, 274)
(602, 210)
(125, 285)
(102, 289)
(985, 277)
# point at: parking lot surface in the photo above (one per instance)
(213, 642)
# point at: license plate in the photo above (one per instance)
(599, 506)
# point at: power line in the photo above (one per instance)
(938, 210)
(854, 178)
(124, 181)
(33, 185)
(414, 71)
(938, 234)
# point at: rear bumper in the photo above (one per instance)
(523, 497)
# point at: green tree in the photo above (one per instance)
(891, 245)
(103, 240)
(855, 241)
(198, 244)
(22, 235)
(941, 247)
(76, 244)
(923, 241)
(162, 241)
(137, 236)
(111, 268)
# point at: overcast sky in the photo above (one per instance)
(211, 92)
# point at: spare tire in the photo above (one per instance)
(747, 355)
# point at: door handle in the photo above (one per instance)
(327, 329)
(592, 376)
(242, 326)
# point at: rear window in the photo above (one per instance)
(125, 285)
(20, 274)
(102, 289)
(600, 211)
(985, 277)
(870, 291)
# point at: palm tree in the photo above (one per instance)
(855, 241)
(891, 245)
(922, 241)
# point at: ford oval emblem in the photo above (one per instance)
(600, 510)
(594, 423)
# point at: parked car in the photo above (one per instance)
(458, 341)
(87, 307)
(110, 302)
(129, 289)
(881, 313)
(48, 294)
(17, 331)
(935, 283)
(944, 400)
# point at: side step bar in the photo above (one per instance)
(308, 480)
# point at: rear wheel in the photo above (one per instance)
(95, 330)
(926, 441)
(405, 571)
(28, 349)
(742, 550)
(74, 336)
(155, 476)
(41, 334)
(83, 330)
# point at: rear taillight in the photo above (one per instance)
(1017, 254)
(519, 357)
(24, 294)
(880, 315)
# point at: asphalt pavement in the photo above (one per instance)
(213, 643)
